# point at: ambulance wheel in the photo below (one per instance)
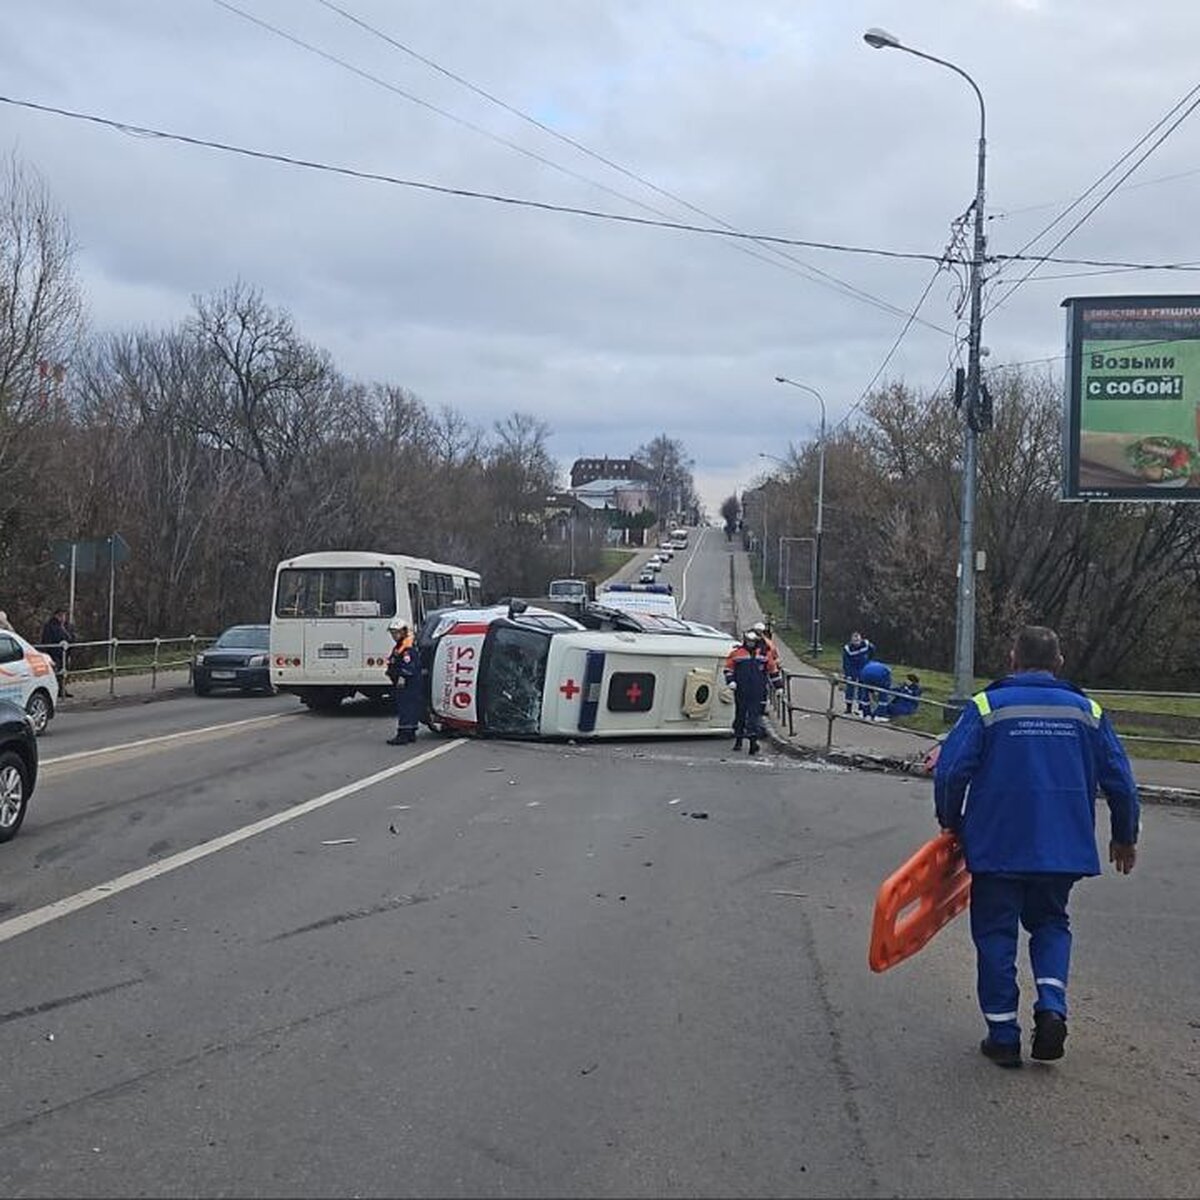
(40, 709)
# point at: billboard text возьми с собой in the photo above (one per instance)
(1132, 425)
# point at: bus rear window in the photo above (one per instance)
(314, 592)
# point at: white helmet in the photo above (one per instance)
(759, 627)
(397, 624)
(751, 636)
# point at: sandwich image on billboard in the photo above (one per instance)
(1131, 426)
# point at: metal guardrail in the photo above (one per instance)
(112, 667)
(785, 708)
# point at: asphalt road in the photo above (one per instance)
(469, 968)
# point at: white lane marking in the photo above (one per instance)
(15, 926)
(688, 567)
(168, 737)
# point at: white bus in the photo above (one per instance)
(330, 617)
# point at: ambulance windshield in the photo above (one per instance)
(512, 676)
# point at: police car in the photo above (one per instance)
(27, 679)
(526, 672)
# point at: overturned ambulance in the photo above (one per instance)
(527, 672)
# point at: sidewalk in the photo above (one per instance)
(95, 691)
(880, 747)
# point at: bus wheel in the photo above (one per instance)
(322, 699)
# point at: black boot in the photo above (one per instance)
(737, 743)
(399, 740)
(1050, 1031)
(754, 745)
(1003, 1054)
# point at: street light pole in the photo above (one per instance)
(964, 641)
(816, 600)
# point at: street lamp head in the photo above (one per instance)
(780, 379)
(880, 39)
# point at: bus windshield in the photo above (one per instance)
(314, 592)
(512, 676)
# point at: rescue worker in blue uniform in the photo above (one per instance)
(904, 702)
(856, 653)
(404, 670)
(746, 671)
(874, 684)
(1016, 780)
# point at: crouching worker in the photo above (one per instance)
(874, 683)
(404, 671)
(747, 674)
(904, 703)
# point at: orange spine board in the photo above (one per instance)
(914, 902)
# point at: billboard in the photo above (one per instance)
(1132, 412)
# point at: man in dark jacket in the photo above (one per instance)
(1016, 781)
(56, 631)
(404, 670)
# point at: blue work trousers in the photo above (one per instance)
(998, 904)
(409, 705)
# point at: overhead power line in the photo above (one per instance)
(1188, 104)
(806, 269)
(466, 193)
(1002, 213)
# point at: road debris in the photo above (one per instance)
(340, 842)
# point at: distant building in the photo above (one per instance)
(623, 495)
(589, 470)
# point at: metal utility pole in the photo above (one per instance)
(964, 639)
(816, 594)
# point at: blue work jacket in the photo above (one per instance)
(1017, 777)
(854, 658)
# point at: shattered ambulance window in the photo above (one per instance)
(514, 674)
(631, 691)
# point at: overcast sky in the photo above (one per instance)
(772, 115)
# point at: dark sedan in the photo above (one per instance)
(18, 767)
(239, 658)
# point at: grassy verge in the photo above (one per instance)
(1133, 716)
(613, 559)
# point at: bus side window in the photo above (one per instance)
(415, 603)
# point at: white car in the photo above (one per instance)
(27, 679)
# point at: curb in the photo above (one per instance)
(888, 764)
(122, 700)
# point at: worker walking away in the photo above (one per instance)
(404, 670)
(1016, 781)
(856, 653)
(746, 674)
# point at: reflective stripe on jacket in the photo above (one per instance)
(1018, 773)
